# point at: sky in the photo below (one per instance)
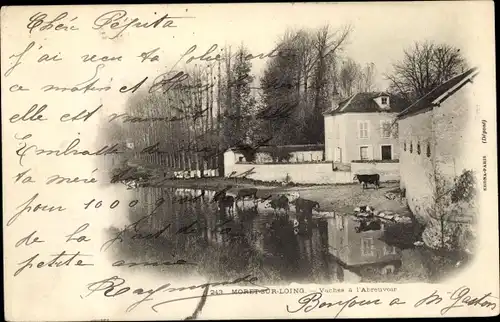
(381, 31)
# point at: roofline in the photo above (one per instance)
(290, 146)
(440, 99)
(348, 102)
(359, 112)
(452, 90)
(382, 94)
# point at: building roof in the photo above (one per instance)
(287, 148)
(365, 103)
(439, 94)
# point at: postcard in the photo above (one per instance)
(249, 161)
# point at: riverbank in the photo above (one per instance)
(341, 198)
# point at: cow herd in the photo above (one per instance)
(278, 203)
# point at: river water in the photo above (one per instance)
(173, 225)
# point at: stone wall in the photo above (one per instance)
(416, 170)
(445, 139)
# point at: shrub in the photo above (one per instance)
(375, 161)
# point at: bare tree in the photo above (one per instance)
(349, 77)
(424, 67)
(366, 80)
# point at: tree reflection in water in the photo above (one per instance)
(276, 248)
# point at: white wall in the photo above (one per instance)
(229, 159)
(335, 137)
(416, 170)
(374, 140)
(447, 129)
(313, 173)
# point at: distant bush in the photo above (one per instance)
(280, 155)
(290, 162)
(375, 161)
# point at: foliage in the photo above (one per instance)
(375, 161)
(452, 197)
(425, 66)
(464, 188)
(298, 87)
(280, 155)
(249, 153)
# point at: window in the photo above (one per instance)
(363, 129)
(418, 148)
(384, 100)
(386, 152)
(428, 150)
(411, 147)
(389, 269)
(363, 153)
(367, 246)
(386, 128)
(404, 146)
(389, 250)
(395, 130)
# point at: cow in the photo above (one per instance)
(306, 207)
(280, 203)
(226, 202)
(366, 179)
(246, 192)
(367, 226)
(220, 194)
(292, 195)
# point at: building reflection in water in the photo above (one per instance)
(326, 251)
(361, 252)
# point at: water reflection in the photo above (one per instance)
(362, 251)
(275, 247)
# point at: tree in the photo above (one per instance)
(350, 78)
(366, 81)
(298, 84)
(240, 102)
(451, 198)
(424, 67)
(328, 44)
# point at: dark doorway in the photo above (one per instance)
(386, 152)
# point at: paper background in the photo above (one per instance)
(54, 293)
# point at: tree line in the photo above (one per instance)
(221, 104)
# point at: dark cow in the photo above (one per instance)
(247, 192)
(280, 203)
(226, 202)
(220, 194)
(366, 179)
(367, 226)
(305, 205)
